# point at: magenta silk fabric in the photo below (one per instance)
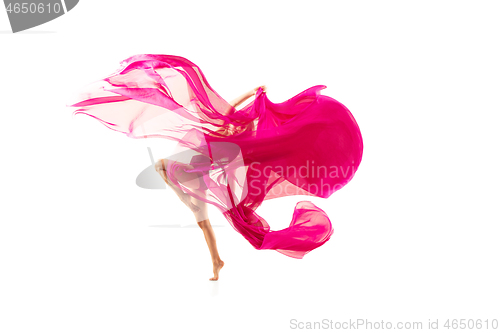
(307, 145)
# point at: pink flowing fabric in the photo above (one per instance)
(307, 145)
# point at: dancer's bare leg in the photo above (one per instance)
(209, 234)
(200, 211)
(185, 198)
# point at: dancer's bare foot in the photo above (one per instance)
(217, 268)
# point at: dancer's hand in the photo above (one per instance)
(257, 88)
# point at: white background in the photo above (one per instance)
(84, 249)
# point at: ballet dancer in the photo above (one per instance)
(198, 207)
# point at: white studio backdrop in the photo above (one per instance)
(84, 249)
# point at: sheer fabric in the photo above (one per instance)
(235, 159)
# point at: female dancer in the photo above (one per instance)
(309, 144)
(198, 207)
